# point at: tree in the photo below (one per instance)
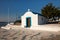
(49, 11)
(58, 14)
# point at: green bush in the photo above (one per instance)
(17, 21)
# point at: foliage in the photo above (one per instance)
(17, 21)
(50, 11)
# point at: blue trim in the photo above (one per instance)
(37, 13)
(30, 21)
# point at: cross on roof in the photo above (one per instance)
(28, 10)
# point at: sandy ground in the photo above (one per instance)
(19, 33)
(47, 27)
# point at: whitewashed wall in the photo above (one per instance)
(42, 20)
(34, 19)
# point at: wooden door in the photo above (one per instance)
(28, 22)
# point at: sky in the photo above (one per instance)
(18, 7)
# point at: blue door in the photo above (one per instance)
(28, 21)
